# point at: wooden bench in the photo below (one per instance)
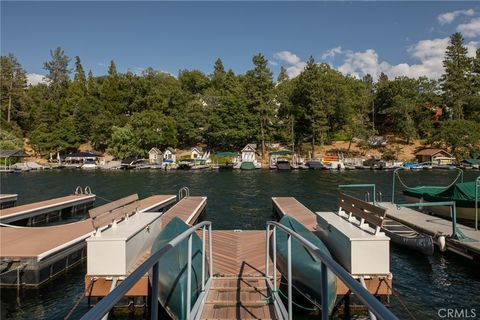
(114, 211)
(352, 208)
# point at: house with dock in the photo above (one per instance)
(170, 155)
(155, 157)
(434, 156)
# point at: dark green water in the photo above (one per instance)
(241, 200)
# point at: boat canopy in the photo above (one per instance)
(462, 193)
(226, 154)
(282, 152)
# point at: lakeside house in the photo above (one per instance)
(249, 153)
(79, 157)
(434, 156)
(170, 155)
(155, 157)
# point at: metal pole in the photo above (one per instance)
(189, 277)
(289, 262)
(477, 185)
(210, 236)
(324, 292)
(267, 250)
(453, 212)
(203, 258)
(154, 293)
(274, 244)
(393, 184)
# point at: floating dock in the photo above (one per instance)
(42, 211)
(8, 200)
(376, 285)
(437, 226)
(29, 256)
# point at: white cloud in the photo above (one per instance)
(449, 17)
(430, 54)
(332, 53)
(470, 29)
(296, 65)
(34, 78)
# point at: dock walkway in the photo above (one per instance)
(42, 252)
(436, 226)
(32, 210)
(8, 200)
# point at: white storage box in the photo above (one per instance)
(359, 252)
(114, 251)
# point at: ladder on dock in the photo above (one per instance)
(236, 296)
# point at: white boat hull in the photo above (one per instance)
(444, 211)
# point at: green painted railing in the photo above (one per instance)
(456, 233)
(477, 194)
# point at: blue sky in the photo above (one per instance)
(399, 38)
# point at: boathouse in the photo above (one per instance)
(170, 155)
(434, 156)
(155, 156)
(249, 153)
(79, 157)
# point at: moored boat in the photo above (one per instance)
(283, 164)
(462, 193)
(408, 237)
(315, 165)
(306, 270)
(172, 271)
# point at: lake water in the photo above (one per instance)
(242, 200)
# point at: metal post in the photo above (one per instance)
(154, 293)
(203, 258)
(274, 244)
(210, 236)
(324, 292)
(393, 184)
(453, 214)
(477, 185)
(189, 277)
(289, 262)
(267, 250)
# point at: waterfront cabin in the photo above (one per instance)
(155, 157)
(79, 157)
(7, 155)
(437, 157)
(249, 153)
(169, 155)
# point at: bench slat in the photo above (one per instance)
(370, 213)
(112, 205)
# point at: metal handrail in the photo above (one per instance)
(456, 233)
(108, 302)
(377, 308)
(365, 185)
(183, 192)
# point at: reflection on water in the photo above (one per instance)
(241, 200)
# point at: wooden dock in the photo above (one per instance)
(188, 209)
(435, 226)
(377, 285)
(32, 255)
(41, 211)
(7, 200)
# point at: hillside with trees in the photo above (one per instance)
(127, 114)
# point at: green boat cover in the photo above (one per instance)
(247, 166)
(172, 283)
(226, 154)
(462, 193)
(282, 152)
(306, 269)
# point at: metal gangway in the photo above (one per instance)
(101, 310)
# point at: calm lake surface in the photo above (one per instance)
(241, 200)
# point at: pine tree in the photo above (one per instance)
(13, 82)
(259, 83)
(58, 71)
(455, 81)
(282, 75)
(219, 74)
(112, 69)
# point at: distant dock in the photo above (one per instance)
(437, 226)
(29, 256)
(42, 211)
(7, 200)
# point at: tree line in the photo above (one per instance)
(127, 114)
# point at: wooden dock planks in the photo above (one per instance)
(188, 209)
(434, 226)
(292, 207)
(32, 209)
